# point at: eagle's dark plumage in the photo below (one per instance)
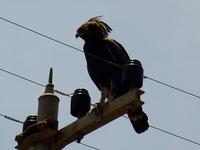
(99, 50)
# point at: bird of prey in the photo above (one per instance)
(101, 54)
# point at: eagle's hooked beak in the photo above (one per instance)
(77, 35)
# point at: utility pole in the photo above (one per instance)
(43, 134)
(50, 140)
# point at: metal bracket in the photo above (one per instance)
(37, 132)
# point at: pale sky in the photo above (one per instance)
(163, 35)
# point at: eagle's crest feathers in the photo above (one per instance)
(94, 27)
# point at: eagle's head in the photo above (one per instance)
(94, 28)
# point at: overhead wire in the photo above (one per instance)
(159, 129)
(31, 81)
(77, 49)
(39, 84)
(156, 128)
(63, 43)
(170, 133)
(175, 135)
(173, 87)
(89, 146)
(21, 122)
(21, 77)
(57, 41)
(11, 118)
(69, 95)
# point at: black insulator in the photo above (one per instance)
(30, 120)
(80, 103)
(133, 73)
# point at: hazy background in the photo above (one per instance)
(164, 35)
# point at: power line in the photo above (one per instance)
(21, 77)
(173, 87)
(34, 82)
(156, 128)
(21, 122)
(58, 41)
(38, 33)
(170, 133)
(11, 118)
(175, 135)
(69, 95)
(77, 49)
(92, 147)
(37, 83)
(57, 91)
(33, 31)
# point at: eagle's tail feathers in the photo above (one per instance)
(139, 120)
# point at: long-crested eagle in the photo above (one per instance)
(101, 53)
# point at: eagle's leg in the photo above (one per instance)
(104, 94)
(113, 91)
(99, 106)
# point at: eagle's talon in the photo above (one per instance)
(98, 111)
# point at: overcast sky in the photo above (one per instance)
(163, 35)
